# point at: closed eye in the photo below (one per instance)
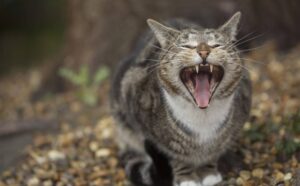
(188, 46)
(215, 45)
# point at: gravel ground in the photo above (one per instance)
(83, 151)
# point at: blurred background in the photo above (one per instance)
(56, 61)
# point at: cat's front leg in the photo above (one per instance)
(138, 168)
(150, 168)
(208, 180)
(188, 175)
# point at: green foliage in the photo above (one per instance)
(293, 123)
(86, 84)
(101, 75)
(287, 146)
(255, 133)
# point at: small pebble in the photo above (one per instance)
(279, 176)
(277, 165)
(240, 181)
(281, 183)
(288, 176)
(56, 155)
(94, 146)
(40, 160)
(106, 133)
(258, 173)
(47, 183)
(102, 153)
(34, 181)
(245, 175)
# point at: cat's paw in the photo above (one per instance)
(212, 180)
(189, 183)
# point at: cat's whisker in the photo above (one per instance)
(167, 51)
(230, 45)
(156, 65)
(156, 60)
(248, 59)
(251, 49)
(160, 53)
(241, 39)
(153, 69)
(243, 66)
(247, 40)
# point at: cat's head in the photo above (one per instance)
(199, 64)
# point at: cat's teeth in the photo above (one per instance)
(211, 68)
(197, 68)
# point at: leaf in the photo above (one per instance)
(80, 79)
(69, 75)
(89, 98)
(84, 75)
(255, 136)
(86, 89)
(287, 146)
(295, 123)
(256, 133)
(101, 74)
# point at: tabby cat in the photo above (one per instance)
(179, 101)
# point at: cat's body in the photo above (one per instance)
(189, 128)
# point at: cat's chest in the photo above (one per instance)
(204, 123)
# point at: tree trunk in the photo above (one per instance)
(102, 32)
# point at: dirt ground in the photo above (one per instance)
(73, 144)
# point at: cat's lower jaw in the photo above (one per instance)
(209, 180)
(191, 116)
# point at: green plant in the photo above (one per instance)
(255, 133)
(86, 84)
(293, 123)
(287, 146)
(290, 144)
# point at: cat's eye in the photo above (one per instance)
(188, 46)
(215, 45)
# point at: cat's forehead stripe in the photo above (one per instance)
(204, 37)
(193, 43)
(192, 36)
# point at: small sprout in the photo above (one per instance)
(287, 146)
(255, 133)
(87, 86)
(101, 75)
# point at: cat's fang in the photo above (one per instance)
(211, 68)
(197, 68)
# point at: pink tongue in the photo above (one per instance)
(202, 90)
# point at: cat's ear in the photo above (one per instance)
(162, 33)
(230, 28)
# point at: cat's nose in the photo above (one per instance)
(204, 54)
(203, 51)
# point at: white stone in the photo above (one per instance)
(55, 155)
(102, 153)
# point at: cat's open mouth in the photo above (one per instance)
(202, 81)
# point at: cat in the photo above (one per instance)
(179, 102)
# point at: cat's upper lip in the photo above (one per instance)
(201, 81)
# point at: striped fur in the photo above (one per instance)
(164, 138)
